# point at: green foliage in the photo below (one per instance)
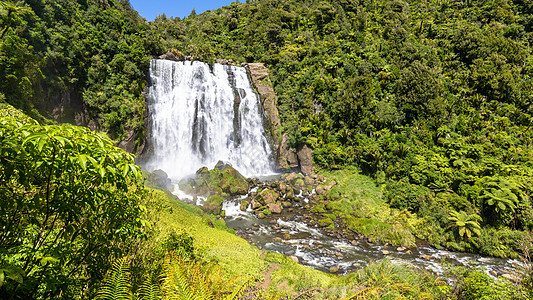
(117, 284)
(70, 203)
(432, 96)
(90, 54)
(465, 224)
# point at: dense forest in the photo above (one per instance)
(432, 98)
(429, 98)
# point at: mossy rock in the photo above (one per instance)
(213, 204)
(319, 209)
(244, 205)
(267, 196)
(223, 180)
(327, 222)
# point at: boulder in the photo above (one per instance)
(159, 179)
(330, 185)
(294, 258)
(320, 190)
(511, 277)
(292, 177)
(222, 180)
(274, 208)
(426, 257)
(287, 157)
(267, 196)
(256, 204)
(305, 157)
(334, 269)
(213, 204)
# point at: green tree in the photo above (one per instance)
(69, 202)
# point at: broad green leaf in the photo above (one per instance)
(83, 161)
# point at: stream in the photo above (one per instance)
(289, 233)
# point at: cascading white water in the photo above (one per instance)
(200, 116)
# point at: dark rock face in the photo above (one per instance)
(223, 180)
(305, 157)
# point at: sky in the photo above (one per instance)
(149, 9)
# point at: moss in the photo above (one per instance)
(299, 182)
(319, 209)
(213, 204)
(326, 222)
(223, 180)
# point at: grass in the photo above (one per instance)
(233, 253)
(358, 200)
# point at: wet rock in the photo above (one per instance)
(256, 204)
(309, 181)
(274, 208)
(493, 273)
(426, 257)
(272, 222)
(334, 269)
(244, 205)
(400, 249)
(409, 252)
(221, 180)
(320, 190)
(290, 252)
(267, 196)
(286, 236)
(260, 215)
(385, 252)
(277, 239)
(294, 258)
(213, 204)
(286, 204)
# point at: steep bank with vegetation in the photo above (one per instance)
(431, 98)
(73, 206)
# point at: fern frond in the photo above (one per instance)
(239, 291)
(117, 284)
(149, 290)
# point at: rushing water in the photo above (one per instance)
(290, 235)
(199, 115)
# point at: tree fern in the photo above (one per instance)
(117, 284)
(465, 224)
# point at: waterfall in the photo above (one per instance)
(200, 115)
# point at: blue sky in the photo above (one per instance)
(150, 9)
